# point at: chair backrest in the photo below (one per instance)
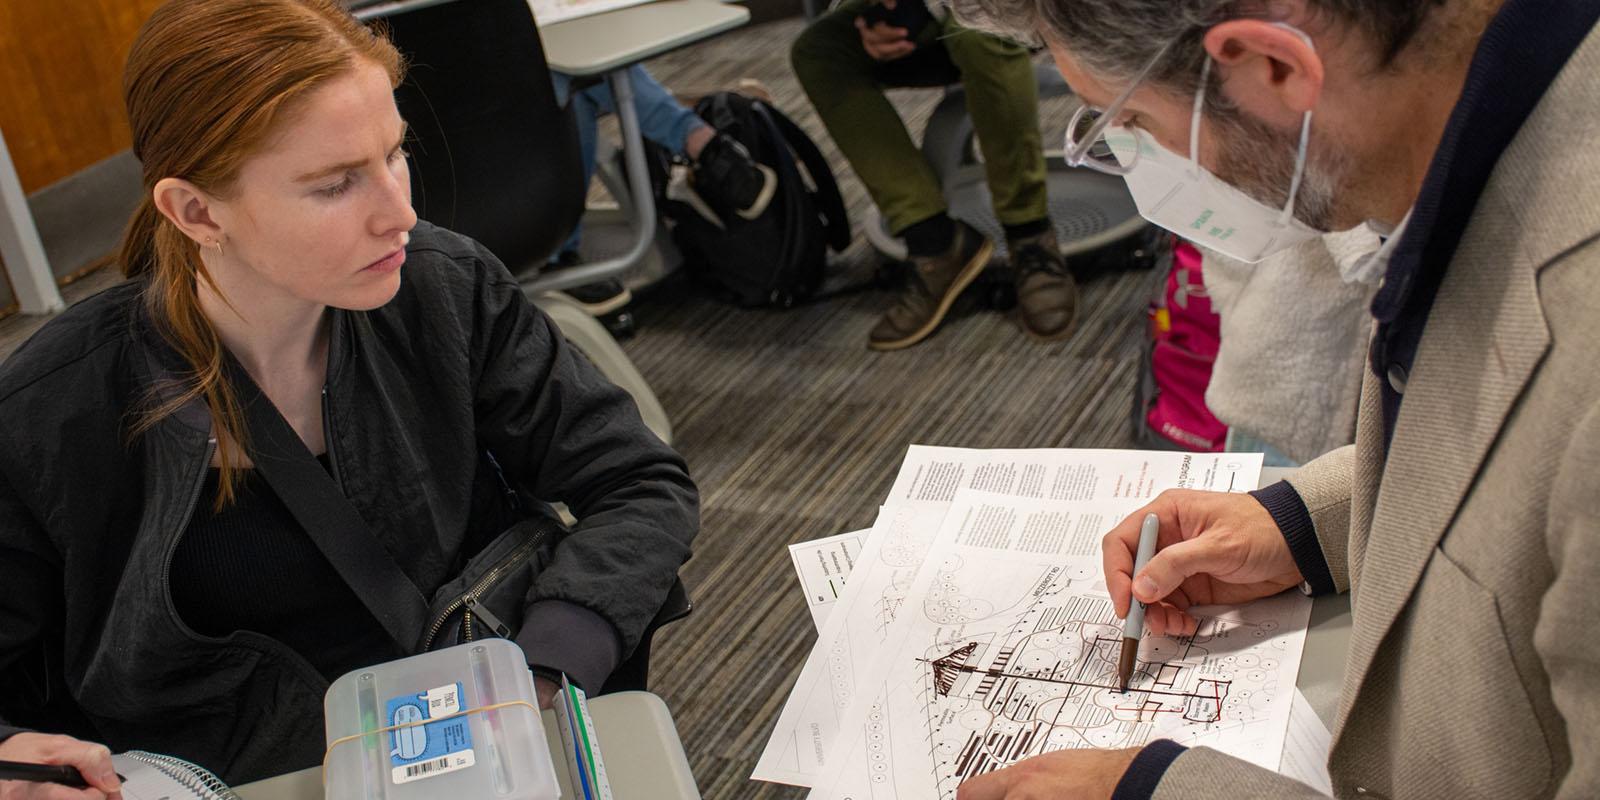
(494, 156)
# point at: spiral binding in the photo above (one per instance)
(193, 777)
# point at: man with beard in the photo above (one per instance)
(1464, 521)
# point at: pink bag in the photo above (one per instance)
(1185, 333)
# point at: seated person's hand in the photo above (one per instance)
(883, 41)
(1214, 547)
(93, 761)
(546, 689)
(1061, 775)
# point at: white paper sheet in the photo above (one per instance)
(549, 12)
(1006, 647)
(822, 566)
(1305, 749)
(1122, 480)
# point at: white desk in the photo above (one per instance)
(1327, 641)
(614, 39)
(607, 44)
(644, 758)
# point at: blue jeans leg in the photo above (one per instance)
(662, 119)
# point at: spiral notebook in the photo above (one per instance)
(148, 776)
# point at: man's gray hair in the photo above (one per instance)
(1116, 38)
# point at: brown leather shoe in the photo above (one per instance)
(932, 286)
(1047, 296)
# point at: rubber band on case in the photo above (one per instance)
(328, 753)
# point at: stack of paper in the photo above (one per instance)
(970, 629)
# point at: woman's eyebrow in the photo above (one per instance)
(330, 171)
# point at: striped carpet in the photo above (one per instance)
(794, 429)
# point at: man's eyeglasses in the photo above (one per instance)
(1086, 144)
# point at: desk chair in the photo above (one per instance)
(496, 158)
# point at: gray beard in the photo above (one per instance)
(1259, 160)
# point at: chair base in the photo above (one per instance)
(1089, 210)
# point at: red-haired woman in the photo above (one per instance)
(154, 591)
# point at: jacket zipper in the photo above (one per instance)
(188, 515)
(293, 659)
(470, 598)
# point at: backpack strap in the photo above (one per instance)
(332, 522)
(829, 202)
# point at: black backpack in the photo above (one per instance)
(779, 258)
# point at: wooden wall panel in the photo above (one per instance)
(61, 82)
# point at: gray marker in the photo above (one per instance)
(1133, 627)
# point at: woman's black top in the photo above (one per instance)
(252, 567)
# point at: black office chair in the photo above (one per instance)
(495, 157)
(493, 154)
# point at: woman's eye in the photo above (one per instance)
(400, 153)
(339, 188)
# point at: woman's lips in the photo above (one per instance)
(388, 263)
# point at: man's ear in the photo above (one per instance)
(1270, 70)
(189, 208)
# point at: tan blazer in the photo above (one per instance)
(1472, 553)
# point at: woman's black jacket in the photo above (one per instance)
(456, 364)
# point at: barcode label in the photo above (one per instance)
(422, 769)
(438, 766)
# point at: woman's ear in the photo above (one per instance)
(189, 208)
(1268, 69)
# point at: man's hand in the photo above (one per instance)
(883, 41)
(1061, 775)
(92, 760)
(1214, 547)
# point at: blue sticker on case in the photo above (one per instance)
(434, 747)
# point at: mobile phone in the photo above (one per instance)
(909, 14)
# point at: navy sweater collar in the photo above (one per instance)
(1523, 49)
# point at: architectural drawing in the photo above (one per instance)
(1046, 680)
(1114, 482)
(999, 653)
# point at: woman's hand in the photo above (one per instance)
(1214, 547)
(93, 761)
(546, 689)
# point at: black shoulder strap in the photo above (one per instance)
(829, 201)
(329, 518)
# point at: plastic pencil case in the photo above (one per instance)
(462, 722)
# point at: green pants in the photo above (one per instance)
(846, 87)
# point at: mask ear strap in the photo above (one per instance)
(1305, 138)
(1299, 170)
(1194, 119)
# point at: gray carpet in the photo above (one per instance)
(793, 429)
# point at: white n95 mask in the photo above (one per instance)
(1180, 195)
